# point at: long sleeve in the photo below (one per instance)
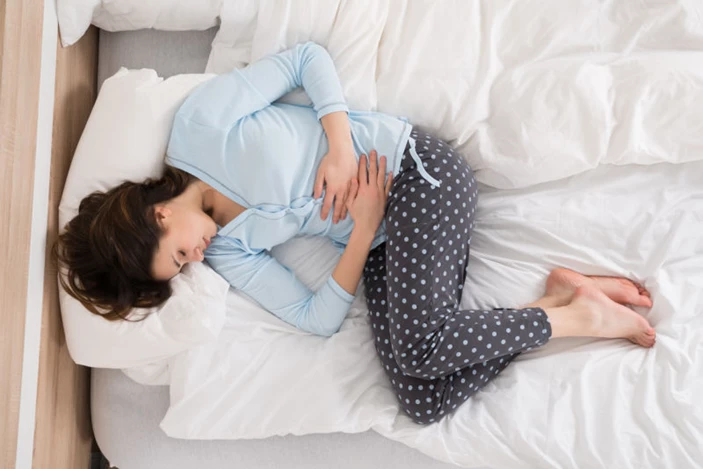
(227, 98)
(276, 288)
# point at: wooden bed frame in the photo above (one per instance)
(63, 437)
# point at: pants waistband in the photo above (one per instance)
(420, 167)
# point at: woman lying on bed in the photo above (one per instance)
(245, 174)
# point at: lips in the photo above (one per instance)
(207, 242)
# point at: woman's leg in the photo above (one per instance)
(425, 401)
(572, 314)
(592, 313)
(428, 231)
(435, 354)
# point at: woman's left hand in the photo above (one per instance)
(335, 173)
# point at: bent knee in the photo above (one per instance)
(412, 365)
(434, 408)
(421, 414)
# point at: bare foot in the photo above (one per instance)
(563, 283)
(606, 318)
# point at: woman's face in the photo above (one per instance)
(187, 232)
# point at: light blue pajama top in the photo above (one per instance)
(231, 134)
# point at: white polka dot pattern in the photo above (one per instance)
(436, 355)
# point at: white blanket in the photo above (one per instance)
(529, 90)
(574, 403)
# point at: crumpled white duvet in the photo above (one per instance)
(529, 90)
(574, 403)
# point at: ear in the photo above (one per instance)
(162, 212)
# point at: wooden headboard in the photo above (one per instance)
(63, 437)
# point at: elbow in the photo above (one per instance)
(310, 45)
(311, 48)
(328, 331)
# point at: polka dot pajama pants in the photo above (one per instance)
(436, 355)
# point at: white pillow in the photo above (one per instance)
(125, 138)
(75, 16)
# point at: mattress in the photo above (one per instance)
(126, 418)
(167, 52)
(126, 415)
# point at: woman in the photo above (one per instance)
(245, 174)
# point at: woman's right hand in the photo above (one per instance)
(366, 202)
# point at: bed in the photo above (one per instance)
(126, 415)
(607, 182)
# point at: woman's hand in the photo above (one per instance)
(367, 197)
(336, 171)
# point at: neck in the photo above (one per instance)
(200, 194)
(220, 208)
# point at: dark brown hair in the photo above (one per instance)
(109, 246)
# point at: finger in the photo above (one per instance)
(389, 183)
(326, 205)
(362, 170)
(319, 181)
(381, 173)
(344, 204)
(338, 207)
(352, 193)
(373, 166)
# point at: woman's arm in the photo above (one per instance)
(277, 289)
(308, 65)
(337, 168)
(351, 265)
(366, 204)
(338, 133)
(223, 100)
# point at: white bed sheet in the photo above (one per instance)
(573, 403)
(126, 415)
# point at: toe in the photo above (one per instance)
(649, 337)
(644, 340)
(642, 290)
(643, 301)
(640, 297)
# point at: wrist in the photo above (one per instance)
(362, 235)
(340, 144)
(338, 132)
